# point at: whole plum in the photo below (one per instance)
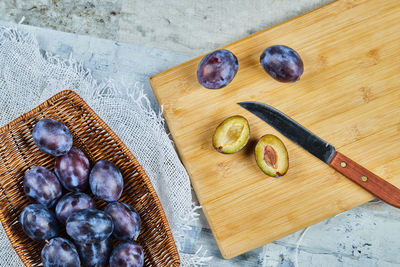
(282, 63)
(52, 137)
(38, 222)
(61, 253)
(126, 220)
(217, 69)
(73, 202)
(96, 254)
(106, 181)
(42, 186)
(89, 226)
(72, 169)
(128, 254)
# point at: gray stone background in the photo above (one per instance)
(161, 34)
(191, 26)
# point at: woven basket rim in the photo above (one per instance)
(129, 154)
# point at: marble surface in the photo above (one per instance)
(192, 27)
(172, 32)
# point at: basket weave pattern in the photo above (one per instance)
(18, 153)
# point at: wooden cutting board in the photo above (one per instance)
(349, 95)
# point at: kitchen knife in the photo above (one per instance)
(325, 152)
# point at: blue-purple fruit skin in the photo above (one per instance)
(217, 69)
(42, 186)
(95, 254)
(89, 226)
(106, 181)
(282, 63)
(60, 252)
(126, 220)
(128, 254)
(73, 202)
(38, 222)
(52, 137)
(72, 169)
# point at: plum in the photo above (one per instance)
(128, 254)
(38, 222)
(231, 135)
(42, 186)
(95, 254)
(217, 69)
(282, 63)
(89, 226)
(52, 137)
(72, 169)
(106, 181)
(272, 156)
(73, 202)
(126, 220)
(61, 253)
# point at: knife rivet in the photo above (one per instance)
(364, 178)
(343, 164)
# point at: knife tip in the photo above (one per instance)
(245, 104)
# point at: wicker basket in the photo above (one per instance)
(18, 153)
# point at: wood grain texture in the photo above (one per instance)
(348, 95)
(366, 179)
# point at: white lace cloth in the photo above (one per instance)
(29, 76)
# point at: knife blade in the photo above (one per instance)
(325, 152)
(292, 130)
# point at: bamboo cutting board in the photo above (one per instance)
(348, 95)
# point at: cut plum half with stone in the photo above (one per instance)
(272, 156)
(231, 135)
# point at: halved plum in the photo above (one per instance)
(272, 156)
(231, 135)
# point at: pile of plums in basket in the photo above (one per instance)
(90, 229)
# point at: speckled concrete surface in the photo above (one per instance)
(95, 17)
(192, 27)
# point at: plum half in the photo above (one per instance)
(231, 135)
(272, 156)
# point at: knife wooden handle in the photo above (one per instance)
(366, 179)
